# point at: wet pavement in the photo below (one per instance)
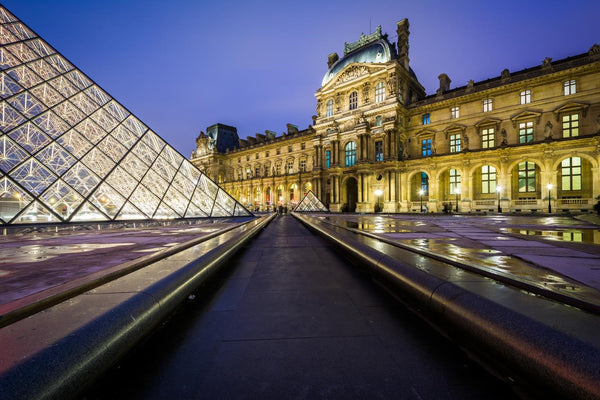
(556, 253)
(34, 262)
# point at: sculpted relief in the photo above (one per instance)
(354, 72)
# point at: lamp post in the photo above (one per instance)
(498, 190)
(378, 193)
(457, 192)
(549, 186)
(421, 198)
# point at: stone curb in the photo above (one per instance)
(65, 367)
(508, 342)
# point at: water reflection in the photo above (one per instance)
(566, 235)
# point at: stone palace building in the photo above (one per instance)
(522, 141)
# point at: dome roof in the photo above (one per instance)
(379, 51)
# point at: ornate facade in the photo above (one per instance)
(523, 141)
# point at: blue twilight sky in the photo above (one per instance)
(182, 65)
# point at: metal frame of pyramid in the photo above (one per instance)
(311, 203)
(70, 152)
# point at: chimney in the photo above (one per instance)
(444, 83)
(403, 33)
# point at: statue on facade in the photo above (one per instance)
(466, 140)
(503, 135)
(548, 130)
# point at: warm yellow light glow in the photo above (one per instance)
(498, 189)
(378, 192)
(421, 192)
(549, 186)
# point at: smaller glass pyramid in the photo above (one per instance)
(311, 203)
(70, 152)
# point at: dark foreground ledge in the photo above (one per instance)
(57, 352)
(538, 355)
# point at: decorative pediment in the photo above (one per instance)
(455, 127)
(352, 72)
(571, 107)
(425, 132)
(526, 114)
(488, 121)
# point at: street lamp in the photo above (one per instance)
(549, 186)
(378, 193)
(498, 190)
(421, 198)
(457, 192)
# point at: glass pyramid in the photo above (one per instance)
(311, 203)
(70, 152)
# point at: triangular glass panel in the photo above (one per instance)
(88, 212)
(92, 159)
(311, 203)
(35, 213)
(12, 199)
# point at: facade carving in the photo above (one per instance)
(511, 139)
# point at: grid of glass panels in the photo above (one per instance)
(311, 203)
(70, 152)
(526, 177)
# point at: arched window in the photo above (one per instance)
(488, 179)
(350, 154)
(379, 92)
(571, 173)
(353, 101)
(329, 108)
(526, 177)
(454, 181)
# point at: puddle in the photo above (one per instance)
(565, 235)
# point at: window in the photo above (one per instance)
(425, 184)
(278, 168)
(526, 132)
(426, 147)
(487, 105)
(379, 150)
(454, 112)
(240, 177)
(526, 97)
(455, 143)
(267, 153)
(220, 179)
(257, 171)
(302, 146)
(328, 132)
(526, 177)
(350, 154)
(248, 173)
(278, 151)
(571, 173)
(379, 92)
(329, 108)
(327, 158)
(353, 101)
(454, 181)
(303, 165)
(570, 87)
(256, 156)
(570, 125)
(239, 159)
(488, 179)
(248, 157)
(487, 138)
(378, 120)
(426, 119)
(267, 170)
(289, 149)
(290, 167)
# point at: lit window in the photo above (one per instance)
(425, 184)
(353, 101)
(526, 132)
(426, 119)
(327, 158)
(328, 132)
(570, 87)
(240, 177)
(426, 147)
(379, 150)
(350, 151)
(487, 105)
(570, 125)
(379, 92)
(454, 112)
(488, 179)
(329, 109)
(454, 181)
(455, 143)
(487, 138)
(248, 173)
(571, 173)
(257, 171)
(290, 167)
(526, 177)
(526, 97)
(303, 165)
(278, 168)
(378, 120)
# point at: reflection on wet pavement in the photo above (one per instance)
(36, 253)
(493, 244)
